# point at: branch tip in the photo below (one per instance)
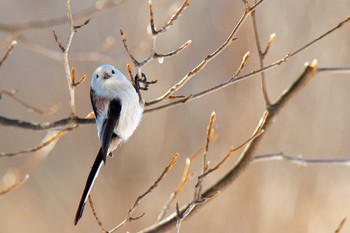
(8, 52)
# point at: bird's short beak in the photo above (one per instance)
(106, 76)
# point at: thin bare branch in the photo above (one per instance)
(100, 5)
(7, 41)
(95, 214)
(209, 133)
(261, 59)
(66, 62)
(205, 165)
(183, 100)
(136, 63)
(59, 44)
(153, 54)
(185, 177)
(53, 109)
(341, 225)
(301, 160)
(235, 79)
(81, 80)
(17, 183)
(320, 37)
(60, 124)
(119, 225)
(49, 139)
(36, 148)
(149, 190)
(181, 214)
(160, 178)
(241, 66)
(171, 20)
(206, 60)
(246, 156)
(134, 82)
(335, 70)
(8, 52)
(233, 150)
(57, 55)
(76, 27)
(269, 43)
(174, 52)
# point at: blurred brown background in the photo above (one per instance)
(274, 196)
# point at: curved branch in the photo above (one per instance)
(12, 94)
(247, 155)
(301, 160)
(63, 123)
(207, 59)
(8, 52)
(59, 20)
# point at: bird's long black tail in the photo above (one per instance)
(89, 183)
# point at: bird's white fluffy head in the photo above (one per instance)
(106, 79)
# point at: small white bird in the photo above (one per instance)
(118, 111)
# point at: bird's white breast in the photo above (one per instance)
(131, 112)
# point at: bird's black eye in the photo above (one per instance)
(113, 72)
(96, 75)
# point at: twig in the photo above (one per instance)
(205, 165)
(56, 55)
(54, 108)
(160, 56)
(15, 185)
(321, 36)
(95, 214)
(207, 59)
(171, 20)
(134, 81)
(241, 66)
(166, 170)
(232, 80)
(198, 199)
(185, 176)
(59, 44)
(81, 80)
(262, 57)
(7, 41)
(246, 157)
(301, 160)
(149, 190)
(155, 33)
(336, 70)
(256, 134)
(8, 52)
(153, 54)
(66, 62)
(341, 225)
(133, 59)
(235, 79)
(76, 27)
(49, 139)
(63, 123)
(100, 5)
(36, 148)
(22, 169)
(68, 72)
(182, 214)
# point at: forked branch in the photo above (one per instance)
(246, 157)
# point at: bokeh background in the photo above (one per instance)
(274, 196)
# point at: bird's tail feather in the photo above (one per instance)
(90, 181)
